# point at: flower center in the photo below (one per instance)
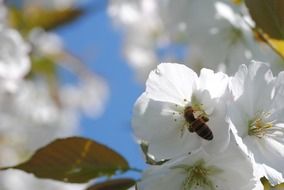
(258, 126)
(198, 175)
(197, 107)
(194, 117)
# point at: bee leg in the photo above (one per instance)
(190, 128)
(205, 119)
(182, 131)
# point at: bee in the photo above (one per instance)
(198, 124)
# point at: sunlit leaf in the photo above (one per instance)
(74, 160)
(267, 186)
(268, 16)
(276, 45)
(43, 66)
(115, 184)
(25, 20)
(238, 2)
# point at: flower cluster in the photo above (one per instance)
(34, 110)
(211, 131)
(189, 31)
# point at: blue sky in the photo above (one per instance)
(95, 39)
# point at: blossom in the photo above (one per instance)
(219, 37)
(45, 43)
(256, 116)
(29, 119)
(159, 113)
(231, 33)
(35, 110)
(26, 126)
(14, 59)
(202, 171)
(93, 88)
(14, 179)
(143, 28)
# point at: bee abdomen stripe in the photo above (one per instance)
(208, 135)
(204, 131)
(196, 125)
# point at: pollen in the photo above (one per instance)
(259, 126)
(198, 175)
(191, 112)
(197, 107)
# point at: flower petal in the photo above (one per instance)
(163, 180)
(223, 170)
(274, 177)
(215, 83)
(171, 82)
(161, 125)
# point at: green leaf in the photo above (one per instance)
(276, 45)
(238, 2)
(267, 185)
(31, 17)
(74, 160)
(268, 16)
(43, 66)
(115, 184)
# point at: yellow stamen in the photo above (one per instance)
(258, 126)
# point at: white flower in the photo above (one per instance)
(29, 119)
(14, 179)
(143, 28)
(95, 92)
(159, 112)
(14, 59)
(213, 34)
(257, 117)
(229, 170)
(46, 43)
(225, 42)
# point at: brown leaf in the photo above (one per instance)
(276, 45)
(268, 16)
(267, 186)
(238, 2)
(74, 160)
(27, 19)
(115, 184)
